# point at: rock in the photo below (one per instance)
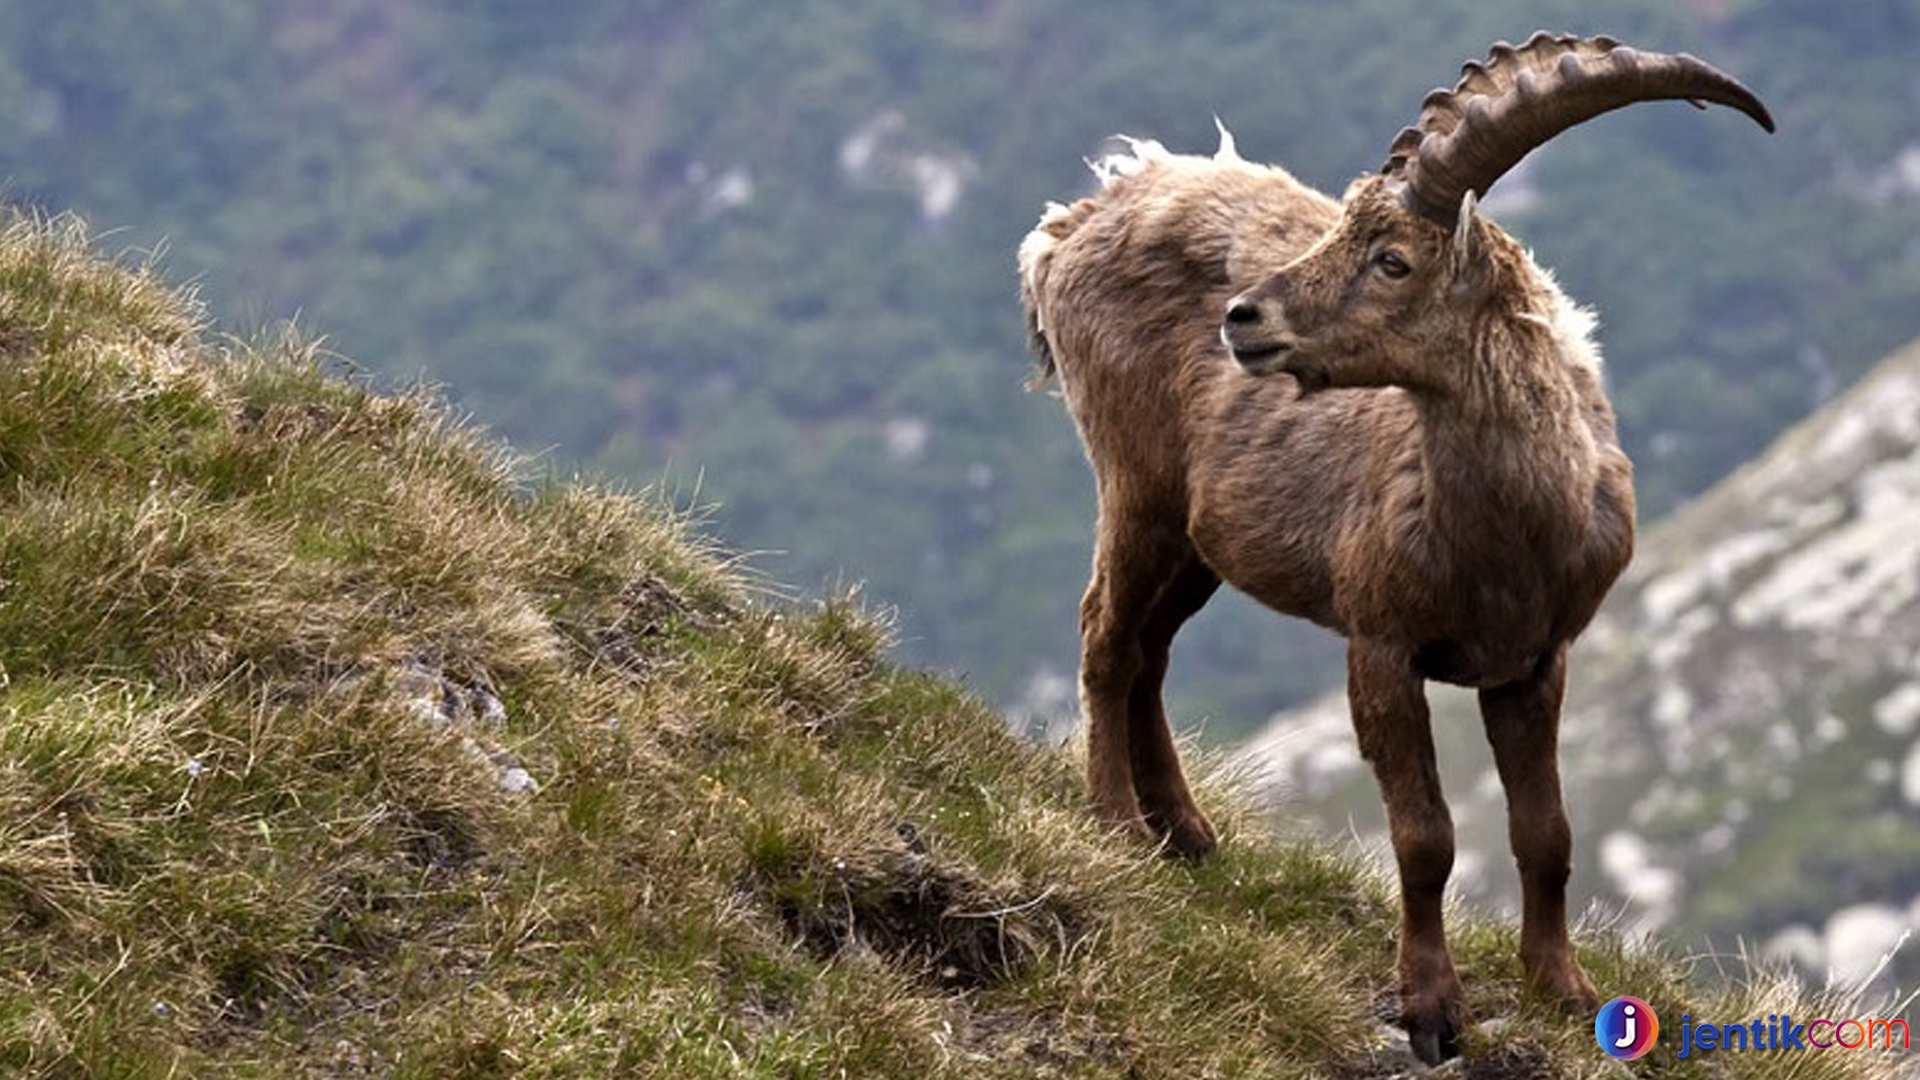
(440, 701)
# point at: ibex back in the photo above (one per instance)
(1438, 478)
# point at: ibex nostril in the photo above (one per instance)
(1242, 310)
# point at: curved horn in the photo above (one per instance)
(1468, 137)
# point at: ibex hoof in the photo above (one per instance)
(1181, 832)
(1568, 985)
(1433, 1038)
(1186, 832)
(1434, 1019)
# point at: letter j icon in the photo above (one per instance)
(1626, 1027)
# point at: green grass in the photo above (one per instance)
(271, 643)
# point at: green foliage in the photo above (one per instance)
(642, 235)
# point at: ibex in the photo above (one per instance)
(1439, 479)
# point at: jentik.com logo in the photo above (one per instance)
(1626, 1027)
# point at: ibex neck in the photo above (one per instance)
(1531, 483)
(1512, 458)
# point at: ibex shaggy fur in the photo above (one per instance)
(1438, 480)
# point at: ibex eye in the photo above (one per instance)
(1392, 265)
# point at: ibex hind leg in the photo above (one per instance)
(1145, 584)
(1157, 777)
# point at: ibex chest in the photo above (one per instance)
(1490, 621)
(1448, 661)
(1487, 634)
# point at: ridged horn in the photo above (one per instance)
(1518, 98)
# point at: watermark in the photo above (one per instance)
(1627, 1027)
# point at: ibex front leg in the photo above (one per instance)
(1390, 717)
(1523, 722)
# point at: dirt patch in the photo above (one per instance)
(645, 608)
(911, 907)
(1047, 1044)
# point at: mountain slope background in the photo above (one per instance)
(338, 741)
(1740, 752)
(767, 258)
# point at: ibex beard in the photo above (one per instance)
(1378, 414)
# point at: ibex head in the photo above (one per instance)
(1391, 294)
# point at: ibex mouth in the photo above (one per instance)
(1276, 357)
(1261, 359)
(1258, 354)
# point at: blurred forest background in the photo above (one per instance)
(763, 255)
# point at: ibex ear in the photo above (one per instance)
(1468, 252)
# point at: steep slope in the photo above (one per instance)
(1741, 749)
(334, 744)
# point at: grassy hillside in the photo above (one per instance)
(336, 742)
